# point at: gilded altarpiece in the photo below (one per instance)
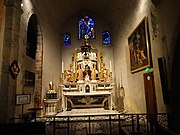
(88, 82)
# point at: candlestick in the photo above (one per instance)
(62, 77)
(110, 67)
(62, 67)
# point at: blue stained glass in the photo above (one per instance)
(86, 27)
(106, 38)
(67, 39)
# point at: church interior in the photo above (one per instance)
(96, 67)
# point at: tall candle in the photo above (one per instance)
(62, 67)
(110, 67)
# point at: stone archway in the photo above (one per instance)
(36, 51)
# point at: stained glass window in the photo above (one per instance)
(106, 38)
(67, 39)
(86, 27)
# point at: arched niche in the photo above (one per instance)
(32, 37)
(34, 50)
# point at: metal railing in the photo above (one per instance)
(113, 124)
(104, 124)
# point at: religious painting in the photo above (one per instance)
(14, 69)
(139, 47)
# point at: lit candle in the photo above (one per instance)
(62, 67)
(110, 67)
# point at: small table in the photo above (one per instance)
(35, 110)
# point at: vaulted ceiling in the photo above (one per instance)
(113, 11)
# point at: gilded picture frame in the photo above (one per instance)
(139, 47)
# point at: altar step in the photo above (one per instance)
(87, 112)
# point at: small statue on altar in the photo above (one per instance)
(79, 73)
(102, 68)
(37, 101)
(51, 85)
(94, 72)
(105, 74)
(87, 73)
(51, 93)
(67, 75)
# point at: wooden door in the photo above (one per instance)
(150, 95)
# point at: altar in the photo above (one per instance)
(97, 97)
(88, 82)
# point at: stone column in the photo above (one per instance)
(38, 67)
(10, 52)
(38, 61)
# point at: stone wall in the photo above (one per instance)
(47, 65)
(133, 83)
(1, 26)
(1, 12)
(26, 63)
(169, 26)
(51, 47)
(10, 49)
(165, 15)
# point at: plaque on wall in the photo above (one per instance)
(23, 99)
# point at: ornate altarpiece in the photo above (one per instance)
(88, 82)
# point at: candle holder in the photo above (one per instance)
(62, 78)
(110, 75)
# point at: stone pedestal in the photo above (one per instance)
(51, 106)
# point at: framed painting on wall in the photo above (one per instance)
(139, 47)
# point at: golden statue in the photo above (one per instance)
(51, 93)
(94, 72)
(79, 73)
(105, 74)
(87, 73)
